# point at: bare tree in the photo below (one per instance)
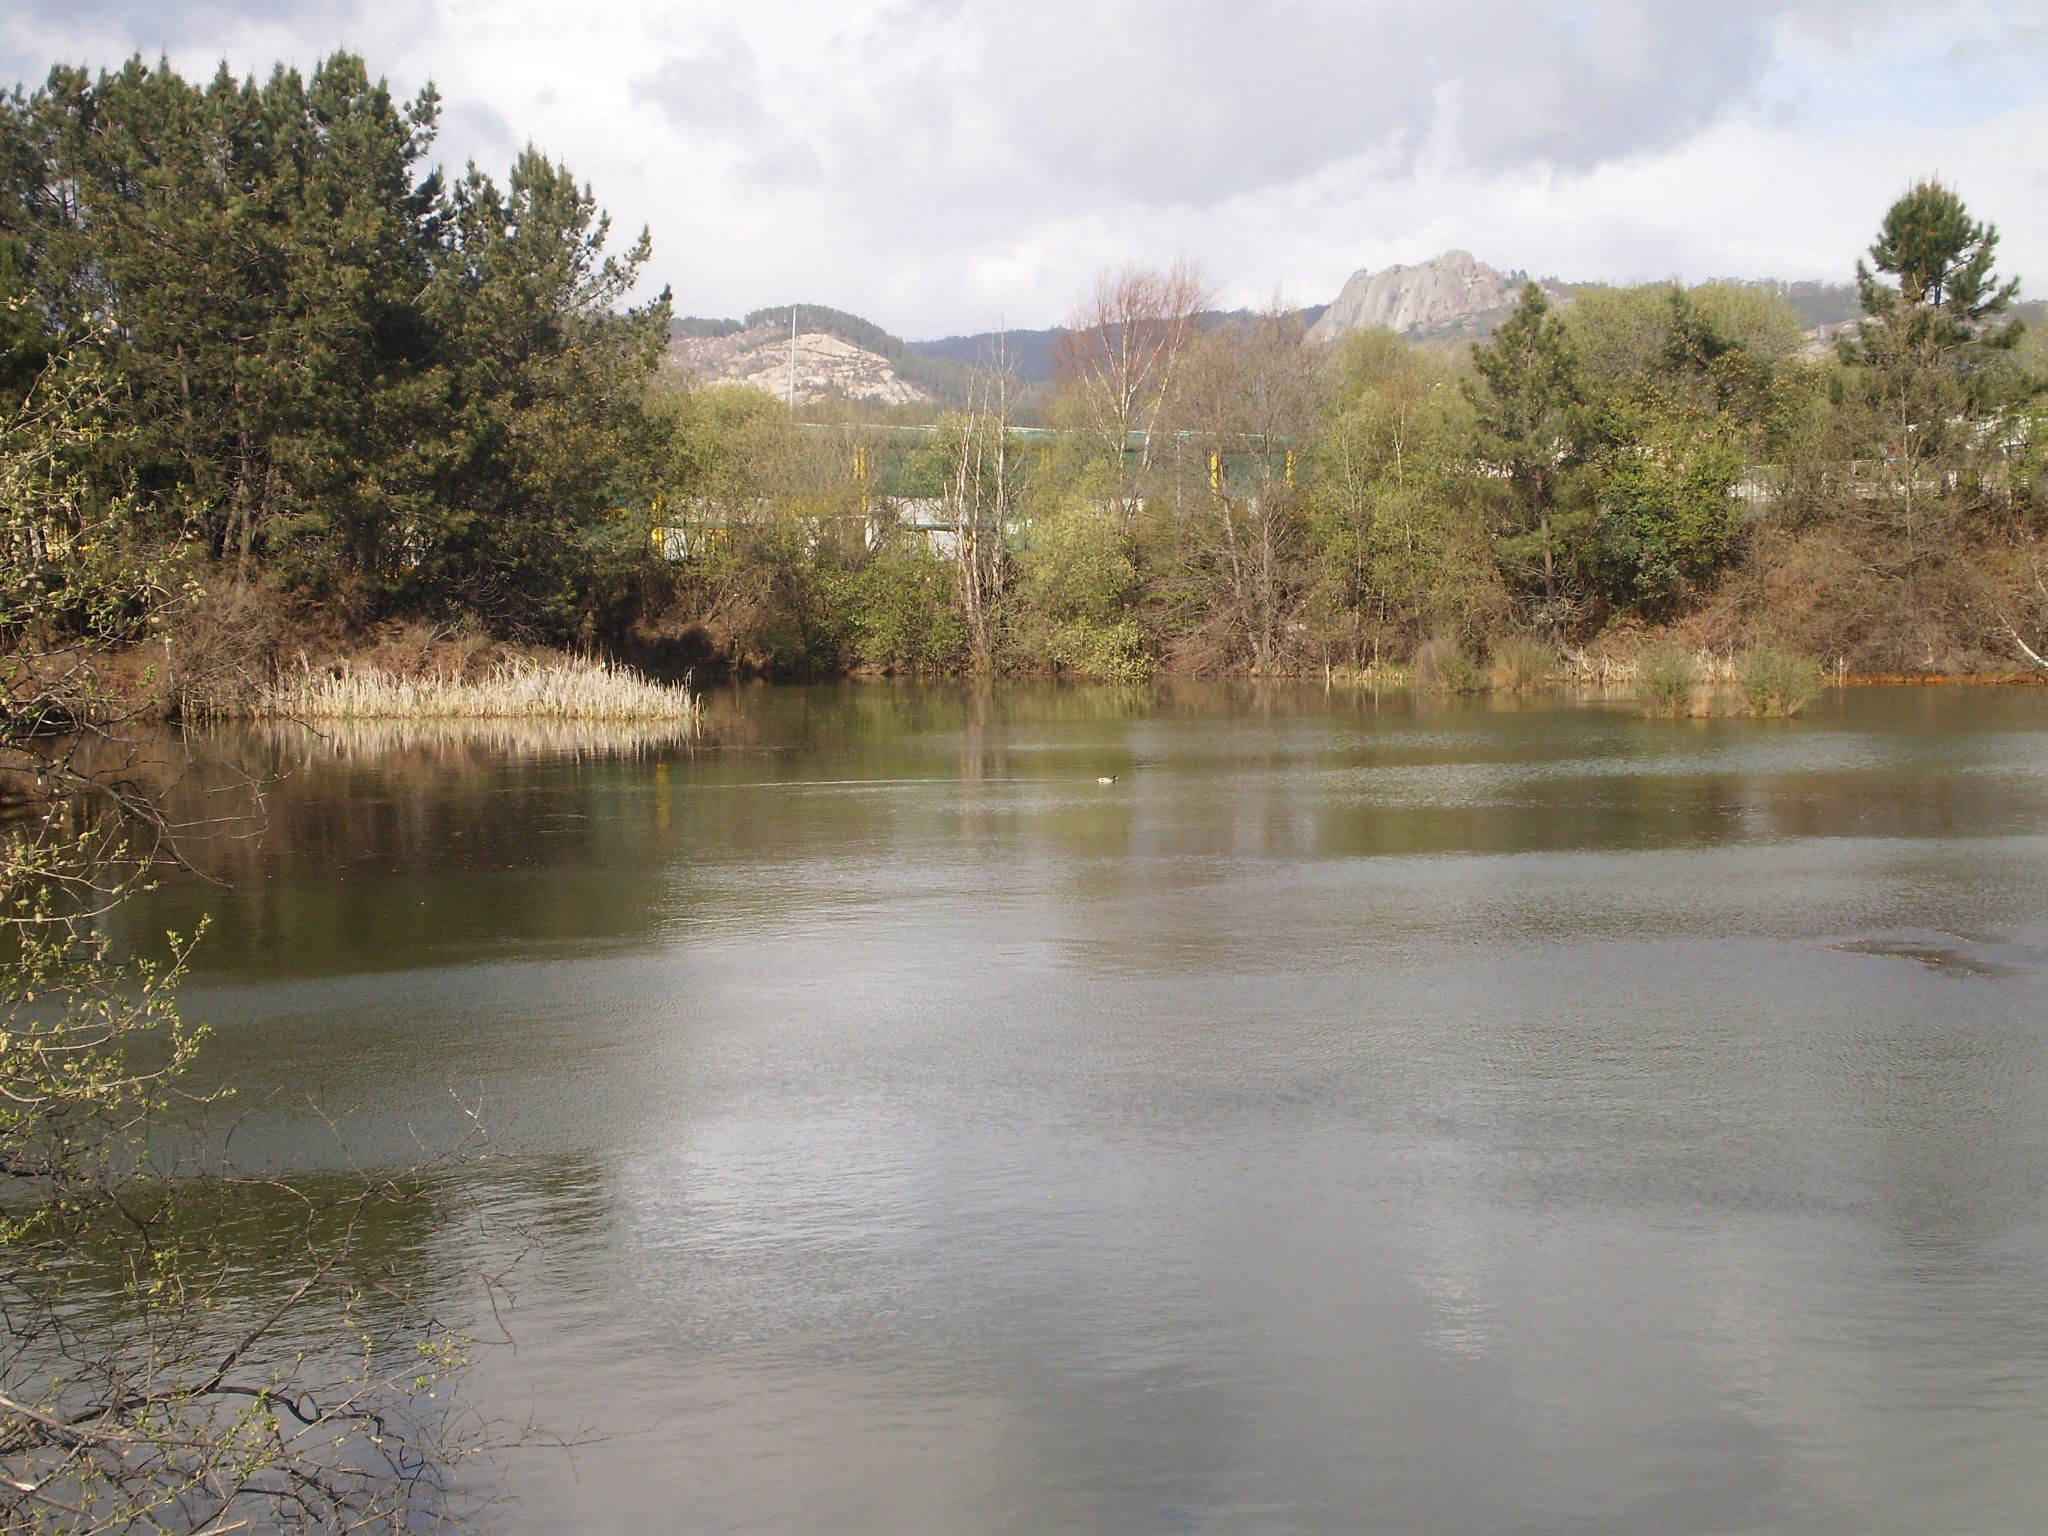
(982, 490)
(1246, 408)
(1121, 359)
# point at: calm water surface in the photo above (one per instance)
(1361, 1117)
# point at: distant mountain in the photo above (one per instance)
(1030, 353)
(838, 357)
(1033, 355)
(1451, 298)
(812, 366)
(1455, 297)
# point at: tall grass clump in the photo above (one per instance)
(1520, 664)
(1666, 679)
(554, 688)
(1777, 682)
(1442, 666)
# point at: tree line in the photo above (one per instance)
(265, 358)
(1646, 460)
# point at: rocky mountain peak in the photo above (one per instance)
(1450, 293)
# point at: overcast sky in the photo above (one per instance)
(948, 165)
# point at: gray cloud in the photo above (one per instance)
(1172, 102)
(938, 162)
(716, 90)
(103, 32)
(481, 126)
(186, 18)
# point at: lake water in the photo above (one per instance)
(1363, 1116)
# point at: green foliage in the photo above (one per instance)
(1077, 586)
(1112, 651)
(1633, 337)
(1777, 681)
(551, 388)
(1667, 516)
(1936, 401)
(1528, 399)
(1528, 391)
(1396, 517)
(1685, 388)
(702, 327)
(1667, 676)
(1443, 665)
(1944, 293)
(767, 596)
(91, 1046)
(900, 610)
(323, 365)
(71, 565)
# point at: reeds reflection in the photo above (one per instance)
(457, 743)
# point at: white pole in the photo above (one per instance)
(792, 357)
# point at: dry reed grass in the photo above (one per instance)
(492, 738)
(1520, 664)
(556, 688)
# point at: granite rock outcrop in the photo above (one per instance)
(826, 367)
(1449, 295)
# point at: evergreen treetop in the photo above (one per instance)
(1943, 290)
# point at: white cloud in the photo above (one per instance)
(939, 163)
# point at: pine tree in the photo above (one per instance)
(1528, 400)
(327, 369)
(548, 370)
(1937, 364)
(1944, 294)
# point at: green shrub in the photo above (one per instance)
(1077, 584)
(1666, 679)
(1520, 664)
(1441, 666)
(1112, 652)
(903, 614)
(1776, 681)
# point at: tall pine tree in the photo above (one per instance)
(1527, 399)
